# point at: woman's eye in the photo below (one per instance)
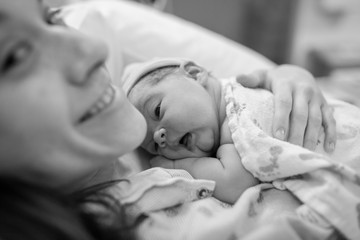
(157, 110)
(15, 57)
(52, 17)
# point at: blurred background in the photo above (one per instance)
(319, 35)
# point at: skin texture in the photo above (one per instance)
(300, 108)
(186, 103)
(300, 111)
(165, 107)
(50, 76)
(189, 104)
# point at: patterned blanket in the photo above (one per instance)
(304, 194)
(327, 185)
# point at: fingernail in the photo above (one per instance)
(240, 78)
(280, 134)
(331, 146)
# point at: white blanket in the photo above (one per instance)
(327, 185)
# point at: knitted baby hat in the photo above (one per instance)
(134, 72)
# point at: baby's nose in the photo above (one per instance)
(160, 137)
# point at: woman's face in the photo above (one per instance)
(60, 118)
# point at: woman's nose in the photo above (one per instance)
(87, 54)
(160, 137)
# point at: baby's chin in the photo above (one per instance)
(207, 144)
(211, 152)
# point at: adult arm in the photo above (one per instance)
(300, 107)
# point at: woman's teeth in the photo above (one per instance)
(103, 102)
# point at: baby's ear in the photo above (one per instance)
(196, 72)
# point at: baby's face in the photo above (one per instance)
(60, 116)
(181, 116)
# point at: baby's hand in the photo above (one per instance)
(160, 161)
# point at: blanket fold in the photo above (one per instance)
(327, 185)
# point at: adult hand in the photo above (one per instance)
(300, 108)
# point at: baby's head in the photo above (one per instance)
(176, 98)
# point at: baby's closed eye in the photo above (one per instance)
(157, 110)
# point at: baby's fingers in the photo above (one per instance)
(329, 124)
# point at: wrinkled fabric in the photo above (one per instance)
(327, 185)
(304, 194)
(177, 206)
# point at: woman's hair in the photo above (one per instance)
(33, 212)
(101, 208)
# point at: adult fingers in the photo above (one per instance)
(283, 105)
(329, 124)
(255, 79)
(298, 119)
(313, 125)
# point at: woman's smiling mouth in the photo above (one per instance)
(102, 103)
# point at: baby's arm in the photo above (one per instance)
(226, 170)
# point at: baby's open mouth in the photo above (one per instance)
(185, 140)
(102, 103)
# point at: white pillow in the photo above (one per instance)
(135, 32)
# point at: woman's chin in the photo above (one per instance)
(118, 130)
(134, 138)
(132, 133)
